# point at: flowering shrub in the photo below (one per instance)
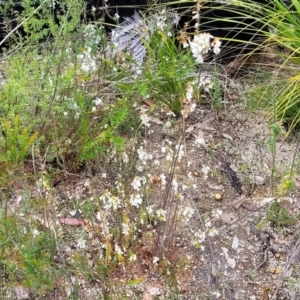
(202, 44)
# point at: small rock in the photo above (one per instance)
(235, 243)
(259, 180)
(22, 293)
(231, 261)
(218, 196)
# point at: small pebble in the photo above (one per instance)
(218, 196)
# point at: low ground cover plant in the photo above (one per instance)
(83, 199)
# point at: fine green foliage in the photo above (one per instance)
(83, 199)
(26, 258)
(284, 23)
(173, 69)
(279, 217)
(15, 142)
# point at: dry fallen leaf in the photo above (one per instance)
(71, 221)
(259, 180)
(149, 102)
(189, 129)
(156, 120)
(227, 136)
(147, 296)
(249, 206)
(216, 187)
(199, 138)
(287, 203)
(238, 202)
(231, 261)
(265, 201)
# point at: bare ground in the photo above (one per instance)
(224, 177)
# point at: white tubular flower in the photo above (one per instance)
(109, 201)
(136, 200)
(81, 243)
(125, 229)
(199, 237)
(118, 249)
(163, 180)
(202, 44)
(143, 155)
(145, 119)
(136, 183)
(212, 232)
(97, 101)
(161, 214)
(88, 63)
(216, 46)
(206, 83)
(189, 91)
(216, 213)
(132, 257)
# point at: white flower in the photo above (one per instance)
(145, 120)
(132, 257)
(216, 213)
(88, 63)
(163, 180)
(125, 157)
(125, 229)
(201, 45)
(35, 233)
(200, 236)
(189, 91)
(187, 212)
(118, 249)
(205, 170)
(161, 214)
(212, 232)
(143, 155)
(216, 46)
(206, 83)
(136, 200)
(97, 101)
(110, 201)
(168, 124)
(196, 15)
(180, 152)
(81, 243)
(155, 260)
(175, 185)
(217, 294)
(136, 183)
(208, 223)
(149, 210)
